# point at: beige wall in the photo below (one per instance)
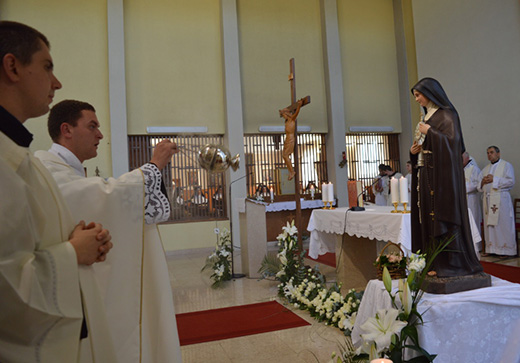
(369, 59)
(271, 33)
(174, 69)
(472, 49)
(183, 236)
(173, 64)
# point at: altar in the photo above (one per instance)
(481, 325)
(349, 235)
(358, 237)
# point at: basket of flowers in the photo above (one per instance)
(392, 257)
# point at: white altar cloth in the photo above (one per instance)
(376, 222)
(481, 325)
(240, 203)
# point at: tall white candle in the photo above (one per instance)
(331, 192)
(403, 188)
(312, 191)
(324, 192)
(272, 193)
(394, 190)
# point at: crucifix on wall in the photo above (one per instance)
(290, 113)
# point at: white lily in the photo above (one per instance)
(387, 280)
(405, 296)
(380, 328)
(290, 229)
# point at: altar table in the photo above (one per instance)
(481, 325)
(348, 234)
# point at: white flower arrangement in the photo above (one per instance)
(306, 289)
(220, 260)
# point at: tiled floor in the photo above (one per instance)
(192, 292)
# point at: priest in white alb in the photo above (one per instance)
(50, 305)
(495, 181)
(471, 173)
(134, 279)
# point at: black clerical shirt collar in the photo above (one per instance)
(494, 162)
(14, 129)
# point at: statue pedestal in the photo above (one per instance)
(450, 285)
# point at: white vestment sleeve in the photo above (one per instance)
(157, 206)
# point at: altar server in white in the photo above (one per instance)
(136, 285)
(50, 306)
(381, 186)
(471, 174)
(495, 181)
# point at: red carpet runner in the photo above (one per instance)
(235, 321)
(504, 272)
(328, 259)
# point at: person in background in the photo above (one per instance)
(471, 173)
(390, 173)
(409, 179)
(50, 306)
(381, 186)
(495, 181)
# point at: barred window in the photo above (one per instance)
(265, 165)
(365, 151)
(194, 193)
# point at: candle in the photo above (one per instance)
(394, 190)
(324, 192)
(312, 191)
(272, 194)
(330, 191)
(381, 360)
(403, 188)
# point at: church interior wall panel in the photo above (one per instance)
(369, 63)
(77, 32)
(270, 33)
(471, 47)
(174, 64)
(185, 236)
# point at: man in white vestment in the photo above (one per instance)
(409, 179)
(50, 306)
(136, 285)
(495, 181)
(471, 174)
(381, 185)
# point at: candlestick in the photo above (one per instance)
(312, 192)
(404, 210)
(403, 188)
(395, 208)
(271, 192)
(394, 190)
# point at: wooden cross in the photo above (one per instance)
(293, 106)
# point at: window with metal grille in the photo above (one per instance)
(194, 193)
(365, 151)
(265, 165)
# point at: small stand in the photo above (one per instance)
(395, 208)
(404, 210)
